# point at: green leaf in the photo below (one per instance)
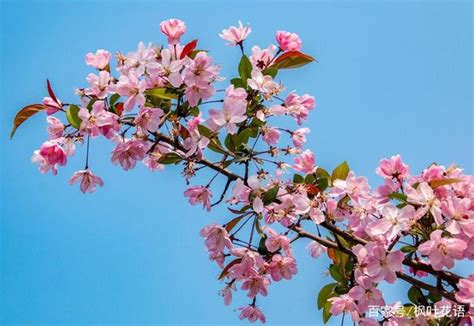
(270, 195)
(161, 93)
(237, 82)
(24, 114)
(262, 248)
(72, 115)
(258, 228)
(170, 158)
(398, 196)
(229, 143)
(245, 69)
(325, 293)
(270, 71)
(216, 146)
(292, 59)
(297, 178)
(335, 273)
(327, 312)
(113, 99)
(408, 249)
(443, 182)
(205, 131)
(340, 172)
(415, 295)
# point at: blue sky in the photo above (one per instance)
(393, 77)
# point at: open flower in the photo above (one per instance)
(236, 35)
(199, 194)
(305, 162)
(99, 60)
(88, 181)
(252, 313)
(442, 251)
(217, 238)
(127, 153)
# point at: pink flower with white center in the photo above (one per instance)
(261, 58)
(381, 266)
(282, 268)
(299, 136)
(173, 29)
(88, 181)
(128, 152)
(343, 304)
(233, 111)
(217, 238)
(305, 162)
(288, 41)
(252, 313)
(466, 290)
(424, 196)
(264, 84)
(137, 61)
(55, 128)
(98, 121)
(98, 84)
(236, 35)
(355, 187)
(167, 68)
(270, 135)
(49, 156)
(460, 215)
(132, 87)
(51, 106)
(442, 251)
(200, 71)
(199, 194)
(315, 249)
(99, 60)
(365, 293)
(393, 168)
(298, 106)
(148, 119)
(276, 241)
(393, 222)
(256, 284)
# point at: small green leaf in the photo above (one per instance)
(327, 312)
(408, 249)
(415, 295)
(340, 172)
(335, 273)
(113, 99)
(216, 146)
(237, 82)
(245, 69)
(270, 71)
(270, 195)
(170, 158)
(398, 196)
(297, 178)
(72, 115)
(325, 293)
(161, 93)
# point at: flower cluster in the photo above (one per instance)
(161, 106)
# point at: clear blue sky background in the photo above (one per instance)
(394, 77)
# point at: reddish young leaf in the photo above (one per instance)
(50, 92)
(24, 114)
(332, 255)
(119, 108)
(188, 48)
(292, 59)
(225, 271)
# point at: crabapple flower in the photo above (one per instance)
(288, 41)
(270, 135)
(255, 285)
(236, 35)
(167, 68)
(199, 194)
(88, 181)
(344, 303)
(393, 168)
(217, 238)
(282, 268)
(442, 251)
(466, 290)
(252, 313)
(261, 58)
(299, 136)
(128, 152)
(355, 187)
(393, 221)
(233, 111)
(297, 106)
(173, 29)
(51, 106)
(55, 128)
(99, 60)
(305, 162)
(424, 196)
(49, 156)
(315, 249)
(276, 241)
(460, 214)
(98, 121)
(264, 84)
(382, 266)
(99, 84)
(133, 88)
(365, 293)
(148, 119)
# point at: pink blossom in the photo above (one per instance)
(261, 58)
(305, 162)
(148, 119)
(288, 41)
(264, 84)
(233, 111)
(252, 313)
(51, 106)
(282, 267)
(87, 179)
(299, 136)
(199, 194)
(49, 156)
(343, 304)
(199, 71)
(365, 292)
(393, 221)
(270, 135)
(167, 68)
(460, 214)
(382, 266)
(299, 106)
(195, 93)
(99, 60)
(442, 251)
(173, 29)
(226, 293)
(55, 128)
(98, 121)
(276, 241)
(466, 290)
(127, 153)
(99, 85)
(424, 196)
(315, 249)
(393, 168)
(355, 187)
(194, 122)
(236, 35)
(217, 238)
(256, 284)
(195, 143)
(133, 88)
